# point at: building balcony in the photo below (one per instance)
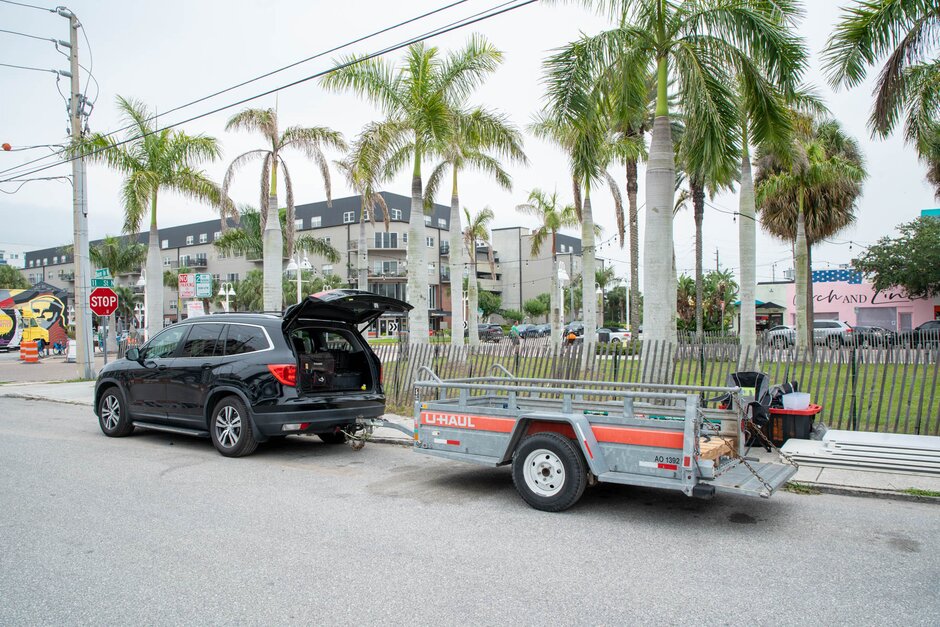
(392, 274)
(134, 272)
(445, 275)
(445, 248)
(68, 276)
(198, 261)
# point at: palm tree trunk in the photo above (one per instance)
(456, 268)
(273, 250)
(362, 253)
(588, 274)
(698, 206)
(632, 188)
(810, 304)
(473, 301)
(154, 286)
(417, 288)
(804, 330)
(659, 310)
(747, 246)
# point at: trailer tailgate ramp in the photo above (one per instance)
(762, 481)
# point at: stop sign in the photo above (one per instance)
(103, 301)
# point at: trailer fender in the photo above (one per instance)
(576, 428)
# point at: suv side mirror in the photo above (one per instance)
(133, 354)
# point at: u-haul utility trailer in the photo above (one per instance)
(561, 435)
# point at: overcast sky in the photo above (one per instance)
(175, 51)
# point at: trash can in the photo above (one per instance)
(791, 423)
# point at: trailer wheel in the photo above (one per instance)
(549, 472)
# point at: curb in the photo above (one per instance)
(871, 493)
(30, 397)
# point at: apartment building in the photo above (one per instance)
(13, 254)
(192, 246)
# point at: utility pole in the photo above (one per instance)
(717, 267)
(86, 356)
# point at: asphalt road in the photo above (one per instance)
(158, 529)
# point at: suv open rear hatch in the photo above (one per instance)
(351, 306)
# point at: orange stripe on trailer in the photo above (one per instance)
(604, 434)
(639, 437)
(467, 421)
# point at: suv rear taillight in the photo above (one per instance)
(285, 373)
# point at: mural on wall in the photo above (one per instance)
(37, 312)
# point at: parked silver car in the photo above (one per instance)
(781, 336)
(832, 333)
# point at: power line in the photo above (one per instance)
(483, 15)
(14, 32)
(266, 74)
(30, 6)
(35, 69)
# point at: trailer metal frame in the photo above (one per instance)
(641, 434)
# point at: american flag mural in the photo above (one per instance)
(852, 277)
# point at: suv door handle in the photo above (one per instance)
(206, 366)
(161, 367)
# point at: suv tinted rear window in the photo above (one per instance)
(241, 338)
(203, 341)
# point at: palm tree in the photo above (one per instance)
(552, 219)
(309, 140)
(362, 177)
(806, 194)
(152, 161)
(906, 32)
(603, 278)
(119, 255)
(700, 48)
(419, 99)
(590, 149)
(468, 145)
(476, 231)
(247, 239)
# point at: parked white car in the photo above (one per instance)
(618, 335)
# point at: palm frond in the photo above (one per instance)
(618, 207)
(288, 225)
(373, 79)
(262, 121)
(317, 246)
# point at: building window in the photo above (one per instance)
(299, 224)
(166, 262)
(316, 222)
(431, 268)
(232, 276)
(386, 268)
(442, 223)
(430, 241)
(189, 240)
(30, 264)
(395, 214)
(45, 261)
(386, 240)
(216, 235)
(203, 238)
(55, 260)
(432, 297)
(329, 240)
(348, 217)
(64, 259)
(404, 237)
(215, 279)
(165, 243)
(427, 220)
(327, 269)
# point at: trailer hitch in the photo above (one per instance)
(365, 427)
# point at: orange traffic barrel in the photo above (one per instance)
(29, 352)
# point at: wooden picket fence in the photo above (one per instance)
(889, 389)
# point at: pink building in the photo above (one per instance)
(845, 295)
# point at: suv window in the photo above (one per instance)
(203, 341)
(164, 343)
(822, 324)
(240, 338)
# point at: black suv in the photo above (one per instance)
(241, 379)
(488, 332)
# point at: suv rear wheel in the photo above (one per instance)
(230, 428)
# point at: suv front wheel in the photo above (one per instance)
(230, 428)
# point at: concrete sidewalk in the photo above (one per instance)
(832, 480)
